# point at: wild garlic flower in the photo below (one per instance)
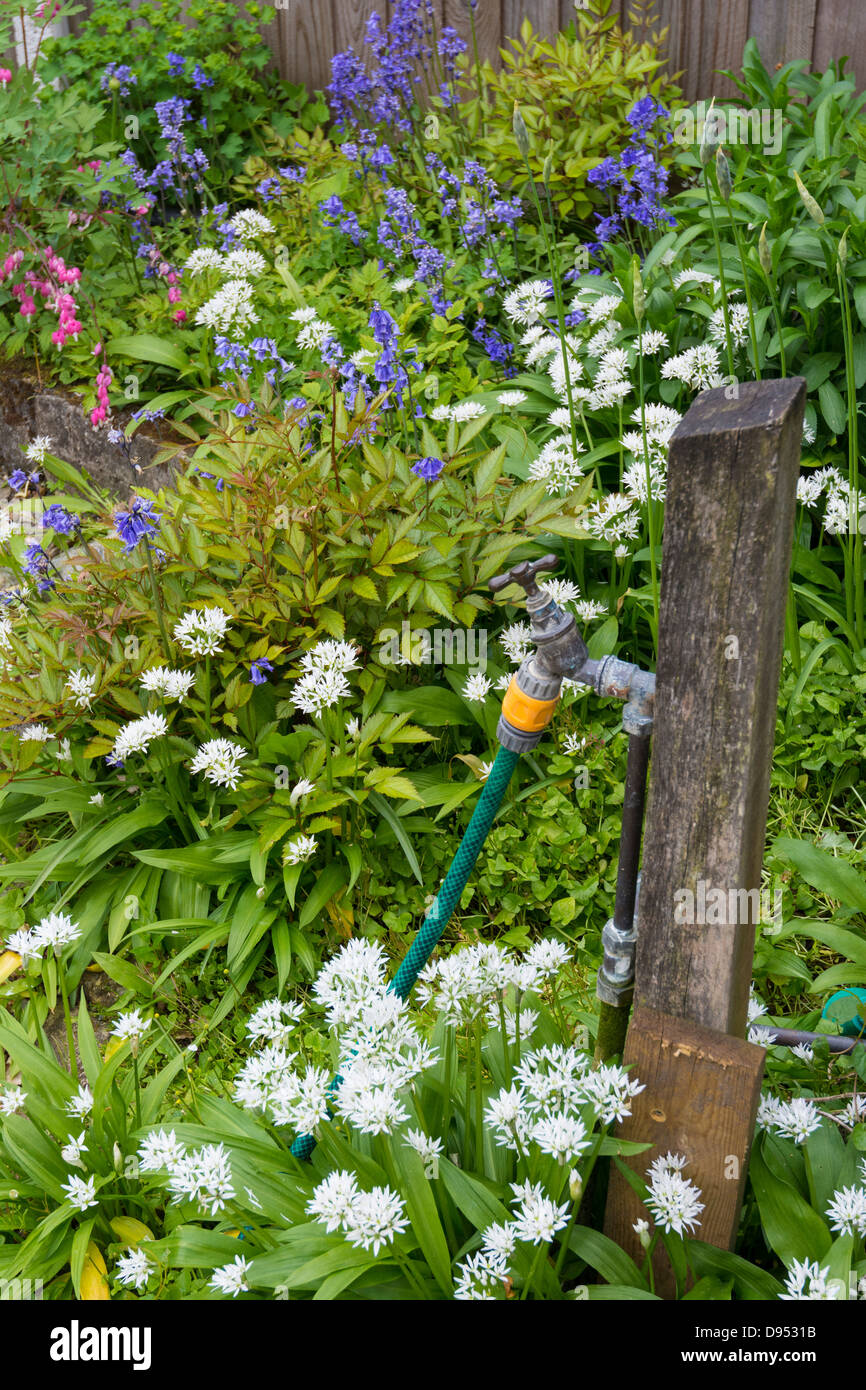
(697, 367)
(220, 761)
(83, 688)
(564, 1137)
(131, 1027)
(854, 1112)
(72, 1151)
(796, 1119)
(171, 685)
(273, 1021)
(333, 1199)
(509, 399)
(602, 308)
(323, 676)
(56, 931)
(562, 591)
(848, 1211)
(35, 733)
(244, 263)
(301, 1101)
(138, 735)
(27, 944)
(757, 1007)
(231, 1278)
(231, 309)
(516, 642)
(558, 464)
(12, 1100)
(376, 1219)
(249, 223)
(738, 317)
(527, 303)
(262, 1077)
(539, 1218)
(202, 259)
(429, 1149)
(134, 1268)
(476, 687)
(302, 848)
(652, 342)
(807, 1281)
(673, 1199)
(160, 1150)
(482, 1278)
(613, 518)
(302, 788)
(548, 957)
(81, 1192)
(201, 631)
(522, 1024)
(82, 1104)
(203, 1176)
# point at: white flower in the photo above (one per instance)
(160, 1150)
(12, 1100)
(476, 688)
(71, 1152)
(809, 489)
(172, 685)
(796, 1119)
(35, 733)
(131, 1026)
(134, 1268)
(403, 285)
(137, 736)
(479, 1277)
(204, 1176)
(484, 770)
(56, 931)
(273, 1021)
(332, 1201)
(27, 944)
(467, 410)
(652, 341)
(319, 689)
(375, 1219)
(315, 333)
(516, 642)
(562, 591)
(202, 259)
(511, 398)
(500, 1240)
(538, 1219)
(81, 1192)
(219, 759)
(603, 308)
(300, 849)
(429, 1149)
(250, 223)
(201, 631)
(854, 1112)
(697, 367)
(230, 309)
(38, 448)
(231, 1278)
(303, 315)
(738, 317)
(564, 1137)
(353, 728)
(244, 263)
(302, 788)
(613, 518)
(848, 1211)
(82, 687)
(548, 956)
(757, 1007)
(82, 1104)
(97, 799)
(526, 303)
(673, 1199)
(807, 1281)
(302, 1100)
(699, 277)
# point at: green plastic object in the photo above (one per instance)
(443, 905)
(847, 1008)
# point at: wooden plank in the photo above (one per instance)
(732, 478)
(488, 24)
(783, 30)
(543, 15)
(306, 42)
(703, 37)
(701, 1097)
(840, 31)
(350, 22)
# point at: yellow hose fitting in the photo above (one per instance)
(523, 712)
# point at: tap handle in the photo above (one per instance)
(524, 574)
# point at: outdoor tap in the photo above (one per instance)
(560, 651)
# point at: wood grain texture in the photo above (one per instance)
(703, 37)
(783, 30)
(543, 15)
(350, 21)
(732, 478)
(306, 41)
(701, 1098)
(840, 30)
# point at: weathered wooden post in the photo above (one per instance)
(727, 544)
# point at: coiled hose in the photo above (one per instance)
(441, 909)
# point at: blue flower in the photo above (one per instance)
(200, 78)
(138, 524)
(176, 63)
(60, 520)
(17, 479)
(428, 469)
(257, 670)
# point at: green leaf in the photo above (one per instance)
(832, 407)
(146, 347)
(791, 1227)
(380, 804)
(605, 1256)
(824, 871)
(750, 1282)
(330, 881)
(470, 1196)
(423, 1214)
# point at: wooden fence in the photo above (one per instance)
(704, 36)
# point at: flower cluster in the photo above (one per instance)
(323, 676)
(52, 933)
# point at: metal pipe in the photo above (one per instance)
(790, 1037)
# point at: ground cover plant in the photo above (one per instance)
(407, 335)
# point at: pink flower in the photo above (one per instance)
(5, 75)
(174, 294)
(180, 316)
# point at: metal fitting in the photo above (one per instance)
(615, 982)
(622, 680)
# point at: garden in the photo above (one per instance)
(392, 341)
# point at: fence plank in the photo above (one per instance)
(350, 22)
(306, 42)
(840, 31)
(783, 29)
(543, 15)
(732, 481)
